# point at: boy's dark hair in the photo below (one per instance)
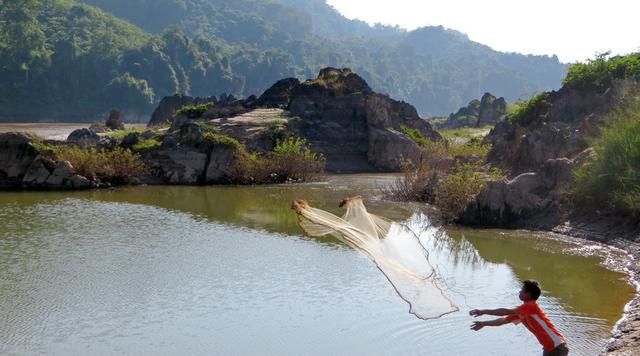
(533, 288)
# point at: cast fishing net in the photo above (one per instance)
(394, 248)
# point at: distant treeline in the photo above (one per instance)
(65, 60)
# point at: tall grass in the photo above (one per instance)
(612, 181)
(120, 134)
(447, 175)
(291, 160)
(117, 166)
(452, 192)
(194, 111)
(524, 112)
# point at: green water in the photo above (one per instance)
(225, 271)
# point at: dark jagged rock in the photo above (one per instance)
(478, 113)
(529, 200)
(84, 137)
(466, 116)
(279, 95)
(557, 129)
(23, 167)
(355, 128)
(16, 155)
(115, 120)
(130, 140)
(177, 166)
(170, 104)
(539, 152)
(491, 110)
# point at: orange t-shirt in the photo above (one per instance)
(537, 322)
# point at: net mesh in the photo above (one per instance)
(394, 248)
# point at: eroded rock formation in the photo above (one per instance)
(478, 113)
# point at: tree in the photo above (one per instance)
(23, 41)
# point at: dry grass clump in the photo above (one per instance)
(117, 166)
(447, 176)
(291, 160)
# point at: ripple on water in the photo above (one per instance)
(84, 277)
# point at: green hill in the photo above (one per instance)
(60, 59)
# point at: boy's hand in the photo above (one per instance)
(475, 312)
(477, 325)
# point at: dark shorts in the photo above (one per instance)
(560, 350)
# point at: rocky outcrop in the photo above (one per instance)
(279, 95)
(84, 137)
(115, 120)
(478, 113)
(170, 104)
(16, 155)
(355, 128)
(529, 200)
(491, 110)
(189, 166)
(23, 167)
(466, 116)
(177, 166)
(557, 127)
(538, 150)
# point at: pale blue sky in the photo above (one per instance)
(572, 29)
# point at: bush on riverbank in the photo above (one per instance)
(453, 191)
(602, 71)
(116, 166)
(290, 160)
(447, 176)
(194, 111)
(523, 112)
(612, 181)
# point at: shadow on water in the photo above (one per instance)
(263, 207)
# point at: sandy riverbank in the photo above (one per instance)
(49, 131)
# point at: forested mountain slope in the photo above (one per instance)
(61, 59)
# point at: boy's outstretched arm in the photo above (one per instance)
(496, 312)
(477, 325)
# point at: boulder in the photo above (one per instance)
(531, 199)
(79, 182)
(130, 140)
(16, 155)
(62, 172)
(84, 137)
(557, 128)
(176, 166)
(387, 147)
(99, 128)
(491, 110)
(38, 172)
(486, 111)
(221, 159)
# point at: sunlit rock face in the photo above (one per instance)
(354, 127)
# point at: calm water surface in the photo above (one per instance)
(225, 271)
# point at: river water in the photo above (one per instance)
(226, 271)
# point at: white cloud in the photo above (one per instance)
(574, 30)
